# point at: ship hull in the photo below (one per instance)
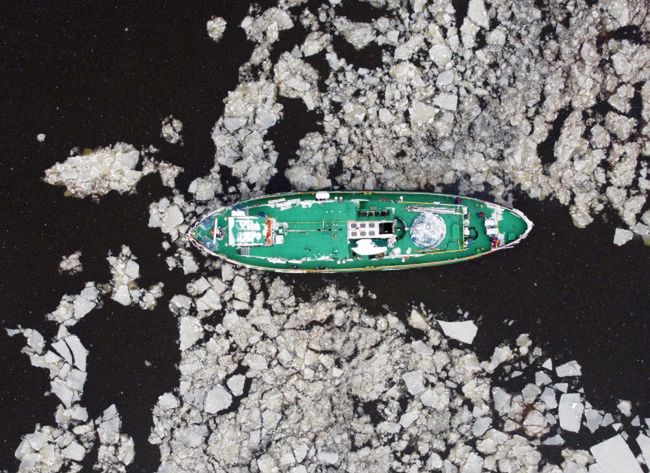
(330, 232)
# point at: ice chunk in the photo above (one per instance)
(422, 114)
(74, 451)
(625, 407)
(216, 27)
(209, 302)
(593, 419)
(563, 387)
(501, 400)
(478, 13)
(203, 188)
(295, 79)
(446, 101)
(236, 384)
(445, 78)
(570, 411)
(65, 394)
(554, 440)
(418, 321)
(473, 464)
(644, 444)
(63, 350)
(440, 54)
(462, 331)
(535, 423)
(190, 331)
(41, 137)
(622, 236)
(266, 464)
(530, 393)
(189, 265)
(407, 419)
(422, 348)
(79, 352)
(172, 128)
(614, 456)
(122, 295)
(168, 401)
(358, 35)
(328, 457)
(240, 289)
(172, 219)
(571, 368)
(71, 264)
(218, 399)
(500, 355)
(541, 378)
(414, 382)
(314, 43)
(481, 425)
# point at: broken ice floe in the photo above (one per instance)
(54, 449)
(487, 128)
(65, 446)
(250, 110)
(304, 362)
(171, 130)
(97, 172)
(116, 450)
(66, 361)
(71, 264)
(71, 309)
(216, 26)
(124, 290)
(169, 215)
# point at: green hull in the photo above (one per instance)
(357, 231)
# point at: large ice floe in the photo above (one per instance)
(270, 382)
(515, 97)
(118, 167)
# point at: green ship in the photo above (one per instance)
(357, 231)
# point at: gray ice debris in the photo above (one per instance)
(216, 27)
(71, 264)
(171, 130)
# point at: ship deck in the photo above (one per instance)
(315, 234)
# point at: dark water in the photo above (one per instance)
(91, 75)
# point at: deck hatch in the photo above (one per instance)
(370, 229)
